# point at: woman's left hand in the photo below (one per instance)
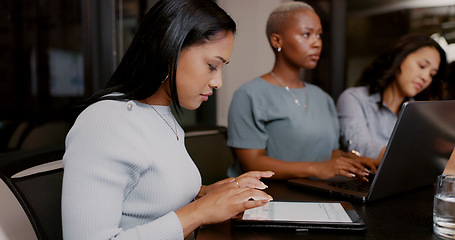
(223, 200)
(370, 163)
(250, 179)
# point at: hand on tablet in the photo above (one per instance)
(250, 179)
(225, 199)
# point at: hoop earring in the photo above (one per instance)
(165, 79)
(278, 49)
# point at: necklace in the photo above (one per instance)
(175, 123)
(296, 100)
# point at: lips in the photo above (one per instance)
(418, 86)
(205, 97)
(315, 57)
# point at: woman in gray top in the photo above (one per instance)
(278, 122)
(410, 69)
(127, 172)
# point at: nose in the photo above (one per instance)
(216, 82)
(317, 42)
(426, 76)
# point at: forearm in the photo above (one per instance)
(282, 169)
(381, 154)
(189, 217)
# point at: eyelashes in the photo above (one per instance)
(308, 35)
(212, 67)
(423, 66)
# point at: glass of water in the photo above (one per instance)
(444, 207)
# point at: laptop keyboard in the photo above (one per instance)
(359, 186)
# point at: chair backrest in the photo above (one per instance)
(35, 178)
(207, 147)
(44, 134)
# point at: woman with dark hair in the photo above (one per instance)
(410, 69)
(127, 172)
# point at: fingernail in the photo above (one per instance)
(264, 186)
(353, 175)
(270, 197)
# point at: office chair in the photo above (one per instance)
(35, 179)
(207, 147)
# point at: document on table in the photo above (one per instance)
(299, 211)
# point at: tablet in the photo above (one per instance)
(302, 216)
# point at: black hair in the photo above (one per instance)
(449, 82)
(167, 28)
(383, 71)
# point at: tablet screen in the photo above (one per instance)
(299, 211)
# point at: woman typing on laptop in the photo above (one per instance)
(411, 68)
(278, 122)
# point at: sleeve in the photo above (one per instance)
(354, 126)
(100, 167)
(246, 127)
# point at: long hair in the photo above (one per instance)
(167, 28)
(385, 68)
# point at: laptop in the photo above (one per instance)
(418, 150)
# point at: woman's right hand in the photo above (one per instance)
(342, 165)
(226, 200)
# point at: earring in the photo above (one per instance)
(278, 49)
(165, 79)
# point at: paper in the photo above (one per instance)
(299, 211)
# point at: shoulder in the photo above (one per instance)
(315, 89)
(255, 90)
(106, 127)
(256, 96)
(360, 93)
(110, 114)
(362, 90)
(109, 124)
(318, 92)
(107, 109)
(253, 86)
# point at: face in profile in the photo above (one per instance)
(301, 39)
(199, 69)
(417, 71)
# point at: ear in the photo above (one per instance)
(275, 40)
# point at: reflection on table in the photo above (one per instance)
(404, 216)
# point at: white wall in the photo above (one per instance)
(252, 55)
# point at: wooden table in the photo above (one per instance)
(404, 216)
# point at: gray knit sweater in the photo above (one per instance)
(125, 174)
